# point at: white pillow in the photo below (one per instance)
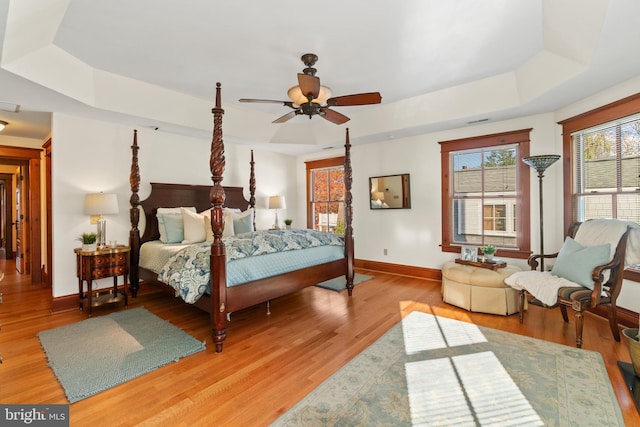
(175, 210)
(194, 230)
(228, 224)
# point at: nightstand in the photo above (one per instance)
(98, 264)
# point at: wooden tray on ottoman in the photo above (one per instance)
(490, 264)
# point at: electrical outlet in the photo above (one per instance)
(386, 252)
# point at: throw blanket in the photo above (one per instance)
(188, 271)
(542, 285)
(600, 231)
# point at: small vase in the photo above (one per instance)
(88, 247)
(488, 257)
(288, 226)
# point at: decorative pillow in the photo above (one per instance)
(177, 210)
(170, 224)
(228, 224)
(171, 227)
(243, 222)
(194, 227)
(576, 262)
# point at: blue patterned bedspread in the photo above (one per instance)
(188, 270)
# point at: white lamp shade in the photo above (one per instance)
(277, 202)
(100, 204)
(295, 94)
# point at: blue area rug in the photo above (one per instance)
(99, 353)
(430, 370)
(340, 283)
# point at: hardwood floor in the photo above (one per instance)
(269, 362)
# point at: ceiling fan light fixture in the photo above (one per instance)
(2, 125)
(296, 96)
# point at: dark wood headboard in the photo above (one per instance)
(177, 195)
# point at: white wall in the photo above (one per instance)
(92, 156)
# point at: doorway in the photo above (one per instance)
(6, 214)
(23, 217)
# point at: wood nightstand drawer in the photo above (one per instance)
(110, 259)
(108, 271)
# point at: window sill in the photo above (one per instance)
(631, 274)
(502, 253)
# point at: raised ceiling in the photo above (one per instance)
(438, 64)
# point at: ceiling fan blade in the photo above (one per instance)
(309, 85)
(267, 101)
(286, 117)
(356, 99)
(335, 117)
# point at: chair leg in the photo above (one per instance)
(613, 322)
(521, 306)
(563, 310)
(579, 324)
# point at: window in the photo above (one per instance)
(485, 193)
(495, 217)
(607, 171)
(325, 195)
(603, 179)
(601, 139)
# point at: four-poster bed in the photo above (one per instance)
(223, 298)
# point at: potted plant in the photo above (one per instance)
(88, 241)
(288, 222)
(488, 251)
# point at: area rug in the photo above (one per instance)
(98, 353)
(430, 370)
(340, 283)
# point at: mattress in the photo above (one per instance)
(250, 257)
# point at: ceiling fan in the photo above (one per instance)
(311, 98)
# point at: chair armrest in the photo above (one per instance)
(533, 259)
(598, 277)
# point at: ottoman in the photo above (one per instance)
(479, 289)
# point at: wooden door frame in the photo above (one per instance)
(8, 217)
(30, 159)
(47, 274)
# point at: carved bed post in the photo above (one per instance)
(134, 216)
(348, 214)
(252, 188)
(218, 251)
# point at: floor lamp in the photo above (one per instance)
(540, 164)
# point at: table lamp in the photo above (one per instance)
(277, 202)
(99, 204)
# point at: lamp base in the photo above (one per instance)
(101, 225)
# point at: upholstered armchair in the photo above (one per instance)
(587, 271)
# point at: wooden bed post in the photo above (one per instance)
(134, 216)
(218, 252)
(252, 188)
(348, 214)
